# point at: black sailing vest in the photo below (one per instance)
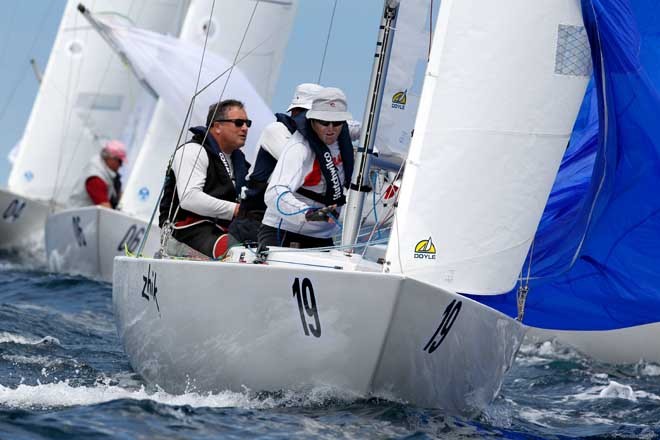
(218, 182)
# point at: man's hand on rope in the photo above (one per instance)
(325, 214)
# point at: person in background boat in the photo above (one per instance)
(273, 139)
(101, 184)
(306, 188)
(201, 192)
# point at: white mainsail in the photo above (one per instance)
(500, 96)
(171, 66)
(405, 77)
(87, 95)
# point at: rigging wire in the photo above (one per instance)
(12, 19)
(327, 40)
(23, 75)
(215, 110)
(430, 30)
(167, 226)
(180, 145)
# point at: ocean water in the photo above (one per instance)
(63, 374)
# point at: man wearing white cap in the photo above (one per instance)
(101, 184)
(306, 188)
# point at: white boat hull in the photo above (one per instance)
(85, 241)
(621, 346)
(210, 326)
(22, 222)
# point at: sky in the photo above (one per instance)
(28, 29)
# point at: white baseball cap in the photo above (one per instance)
(329, 105)
(304, 95)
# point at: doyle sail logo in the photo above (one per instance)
(399, 100)
(425, 250)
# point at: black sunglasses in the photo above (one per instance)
(237, 122)
(333, 123)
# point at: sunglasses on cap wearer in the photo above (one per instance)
(333, 123)
(237, 122)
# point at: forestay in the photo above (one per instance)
(405, 77)
(87, 96)
(500, 97)
(596, 253)
(171, 66)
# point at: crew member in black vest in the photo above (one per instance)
(202, 188)
(306, 188)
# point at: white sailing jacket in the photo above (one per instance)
(297, 167)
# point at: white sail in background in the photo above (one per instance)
(87, 96)
(172, 66)
(405, 77)
(500, 97)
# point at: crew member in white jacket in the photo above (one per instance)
(306, 189)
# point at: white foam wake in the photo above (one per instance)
(61, 394)
(615, 390)
(11, 338)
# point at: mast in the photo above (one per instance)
(115, 47)
(359, 187)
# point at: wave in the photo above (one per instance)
(11, 338)
(62, 394)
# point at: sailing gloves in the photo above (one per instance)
(321, 214)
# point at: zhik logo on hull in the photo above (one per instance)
(425, 250)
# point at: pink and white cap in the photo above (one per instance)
(115, 149)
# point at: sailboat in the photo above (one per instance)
(169, 66)
(500, 94)
(86, 96)
(592, 274)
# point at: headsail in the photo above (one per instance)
(500, 97)
(87, 95)
(405, 77)
(598, 242)
(172, 65)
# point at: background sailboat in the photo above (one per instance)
(394, 327)
(170, 66)
(86, 96)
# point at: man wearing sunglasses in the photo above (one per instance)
(202, 188)
(306, 188)
(102, 181)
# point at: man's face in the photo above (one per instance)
(113, 163)
(327, 133)
(229, 136)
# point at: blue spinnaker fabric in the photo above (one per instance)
(596, 258)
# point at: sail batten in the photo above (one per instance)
(497, 107)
